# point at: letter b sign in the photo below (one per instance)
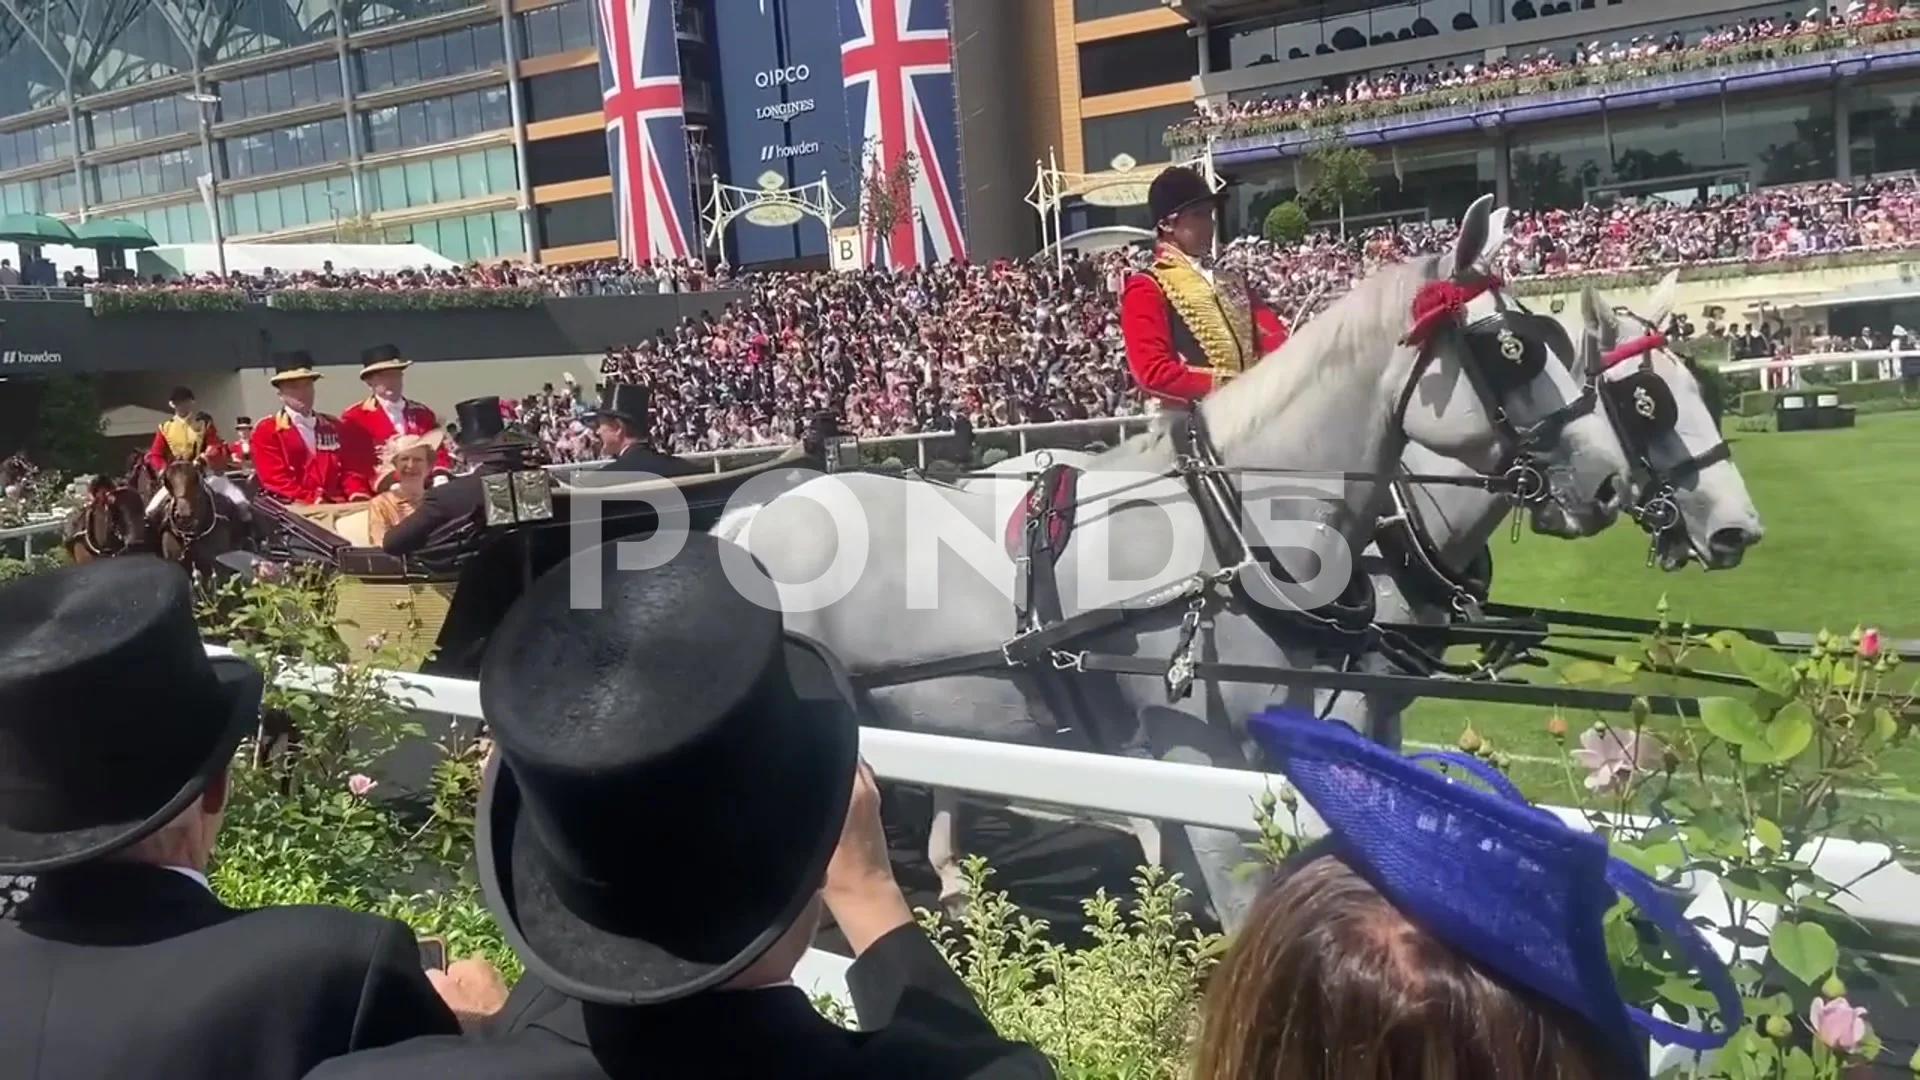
(845, 245)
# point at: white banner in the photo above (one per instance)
(844, 248)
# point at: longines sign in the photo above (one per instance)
(781, 112)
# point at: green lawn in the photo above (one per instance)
(1842, 517)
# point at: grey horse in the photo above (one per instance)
(857, 561)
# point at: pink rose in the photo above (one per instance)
(1611, 757)
(1870, 643)
(359, 784)
(1838, 1023)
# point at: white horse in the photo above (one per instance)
(1343, 395)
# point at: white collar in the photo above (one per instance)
(188, 872)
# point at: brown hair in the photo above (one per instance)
(1327, 981)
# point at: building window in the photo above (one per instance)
(562, 93)
(436, 56)
(435, 120)
(568, 158)
(1136, 134)
(140, 178)
(576, 221)
(1155, 58)
(561, 27)
(1883, 128)
(471, 175)
(19, 149)
(368, 16)
(300, 146)
(1084, 10)
(276, 91)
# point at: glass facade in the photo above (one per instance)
(142, 120)
(1883, 127)
(1327, 28)
(468, 238)
(144, 177)
(1140, 134)
(1435, 180)
(435, 120)
(277, 91)
(436, 56)
(443, 179)
(560, 28)
(48, 142)
(283, 149)
(55, 194)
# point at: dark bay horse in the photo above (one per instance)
(195, 528)
(111, 521)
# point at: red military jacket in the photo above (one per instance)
(374, 427)
(1185, 335)
(182, 440)
(285, 468)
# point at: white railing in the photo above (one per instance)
(1161, 791)
(1880, 364)
(26, 534)
(735, 457)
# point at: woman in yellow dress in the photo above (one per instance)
(407, 469)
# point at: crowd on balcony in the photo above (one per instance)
(592, 278)
(1027, 342)
(1406, 90)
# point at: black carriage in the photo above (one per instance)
(443, 603)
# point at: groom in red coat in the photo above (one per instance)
(387, 412)
(301, 455)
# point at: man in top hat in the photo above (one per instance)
(240, 450)
(451, 511)
(302, 455)
(185, 436)
(677, 796)
(387, 411)
(1188, 326)
(621, 423)
(121, 962)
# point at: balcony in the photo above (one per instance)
(1824, 57)
(689, 23)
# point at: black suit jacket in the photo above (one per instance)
(920, 1021)
(639, 458)
(118, 971)
(447, 514)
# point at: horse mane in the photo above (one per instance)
(1373, 315)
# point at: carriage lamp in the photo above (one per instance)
(842, 453)
(520, 496)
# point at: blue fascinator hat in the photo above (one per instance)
(1505, 883)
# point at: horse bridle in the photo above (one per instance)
(102, 501)
(1499, 358)
(188, 539)
(1641, 407)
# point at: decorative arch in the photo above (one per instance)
(771, 199)
(1124, 184)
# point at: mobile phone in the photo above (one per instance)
(433, 954)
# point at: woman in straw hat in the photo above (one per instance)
(406, 469)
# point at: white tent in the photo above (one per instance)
(124, 420)
(175, 259)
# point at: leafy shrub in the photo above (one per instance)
(106, 301)
(1286, 223)
(1124, 1008)
(405, 299)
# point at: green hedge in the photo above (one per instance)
(108, 302)
(1881, 392)
(1194, 134)
(1608, 280)
(405, 299)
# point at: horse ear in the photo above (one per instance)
(1597, 314)
(1661, 306)
(1473, 237)
(1496, 237)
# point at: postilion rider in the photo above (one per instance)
(189, 435)
(302, 455)
(387, 412)
(1187, 326)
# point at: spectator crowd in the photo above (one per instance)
(1024, 342)
(1439, 86)
(598, 277)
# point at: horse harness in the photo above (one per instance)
(1505, 350)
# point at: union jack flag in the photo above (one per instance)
(897, 60)
(646, 127)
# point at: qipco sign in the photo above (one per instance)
(782, 76)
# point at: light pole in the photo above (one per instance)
(207, 103)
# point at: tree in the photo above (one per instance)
(886, 197)
(1286, 223)
(70, 434)
(1342, 177)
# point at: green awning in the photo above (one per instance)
(112, 234)
(35, 229)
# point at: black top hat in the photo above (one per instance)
(1176, 188)
(480, 421)
(179, 394)
(382, 358)
(624, 401)
(114, 639)
(666, 738)
(292, 367)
